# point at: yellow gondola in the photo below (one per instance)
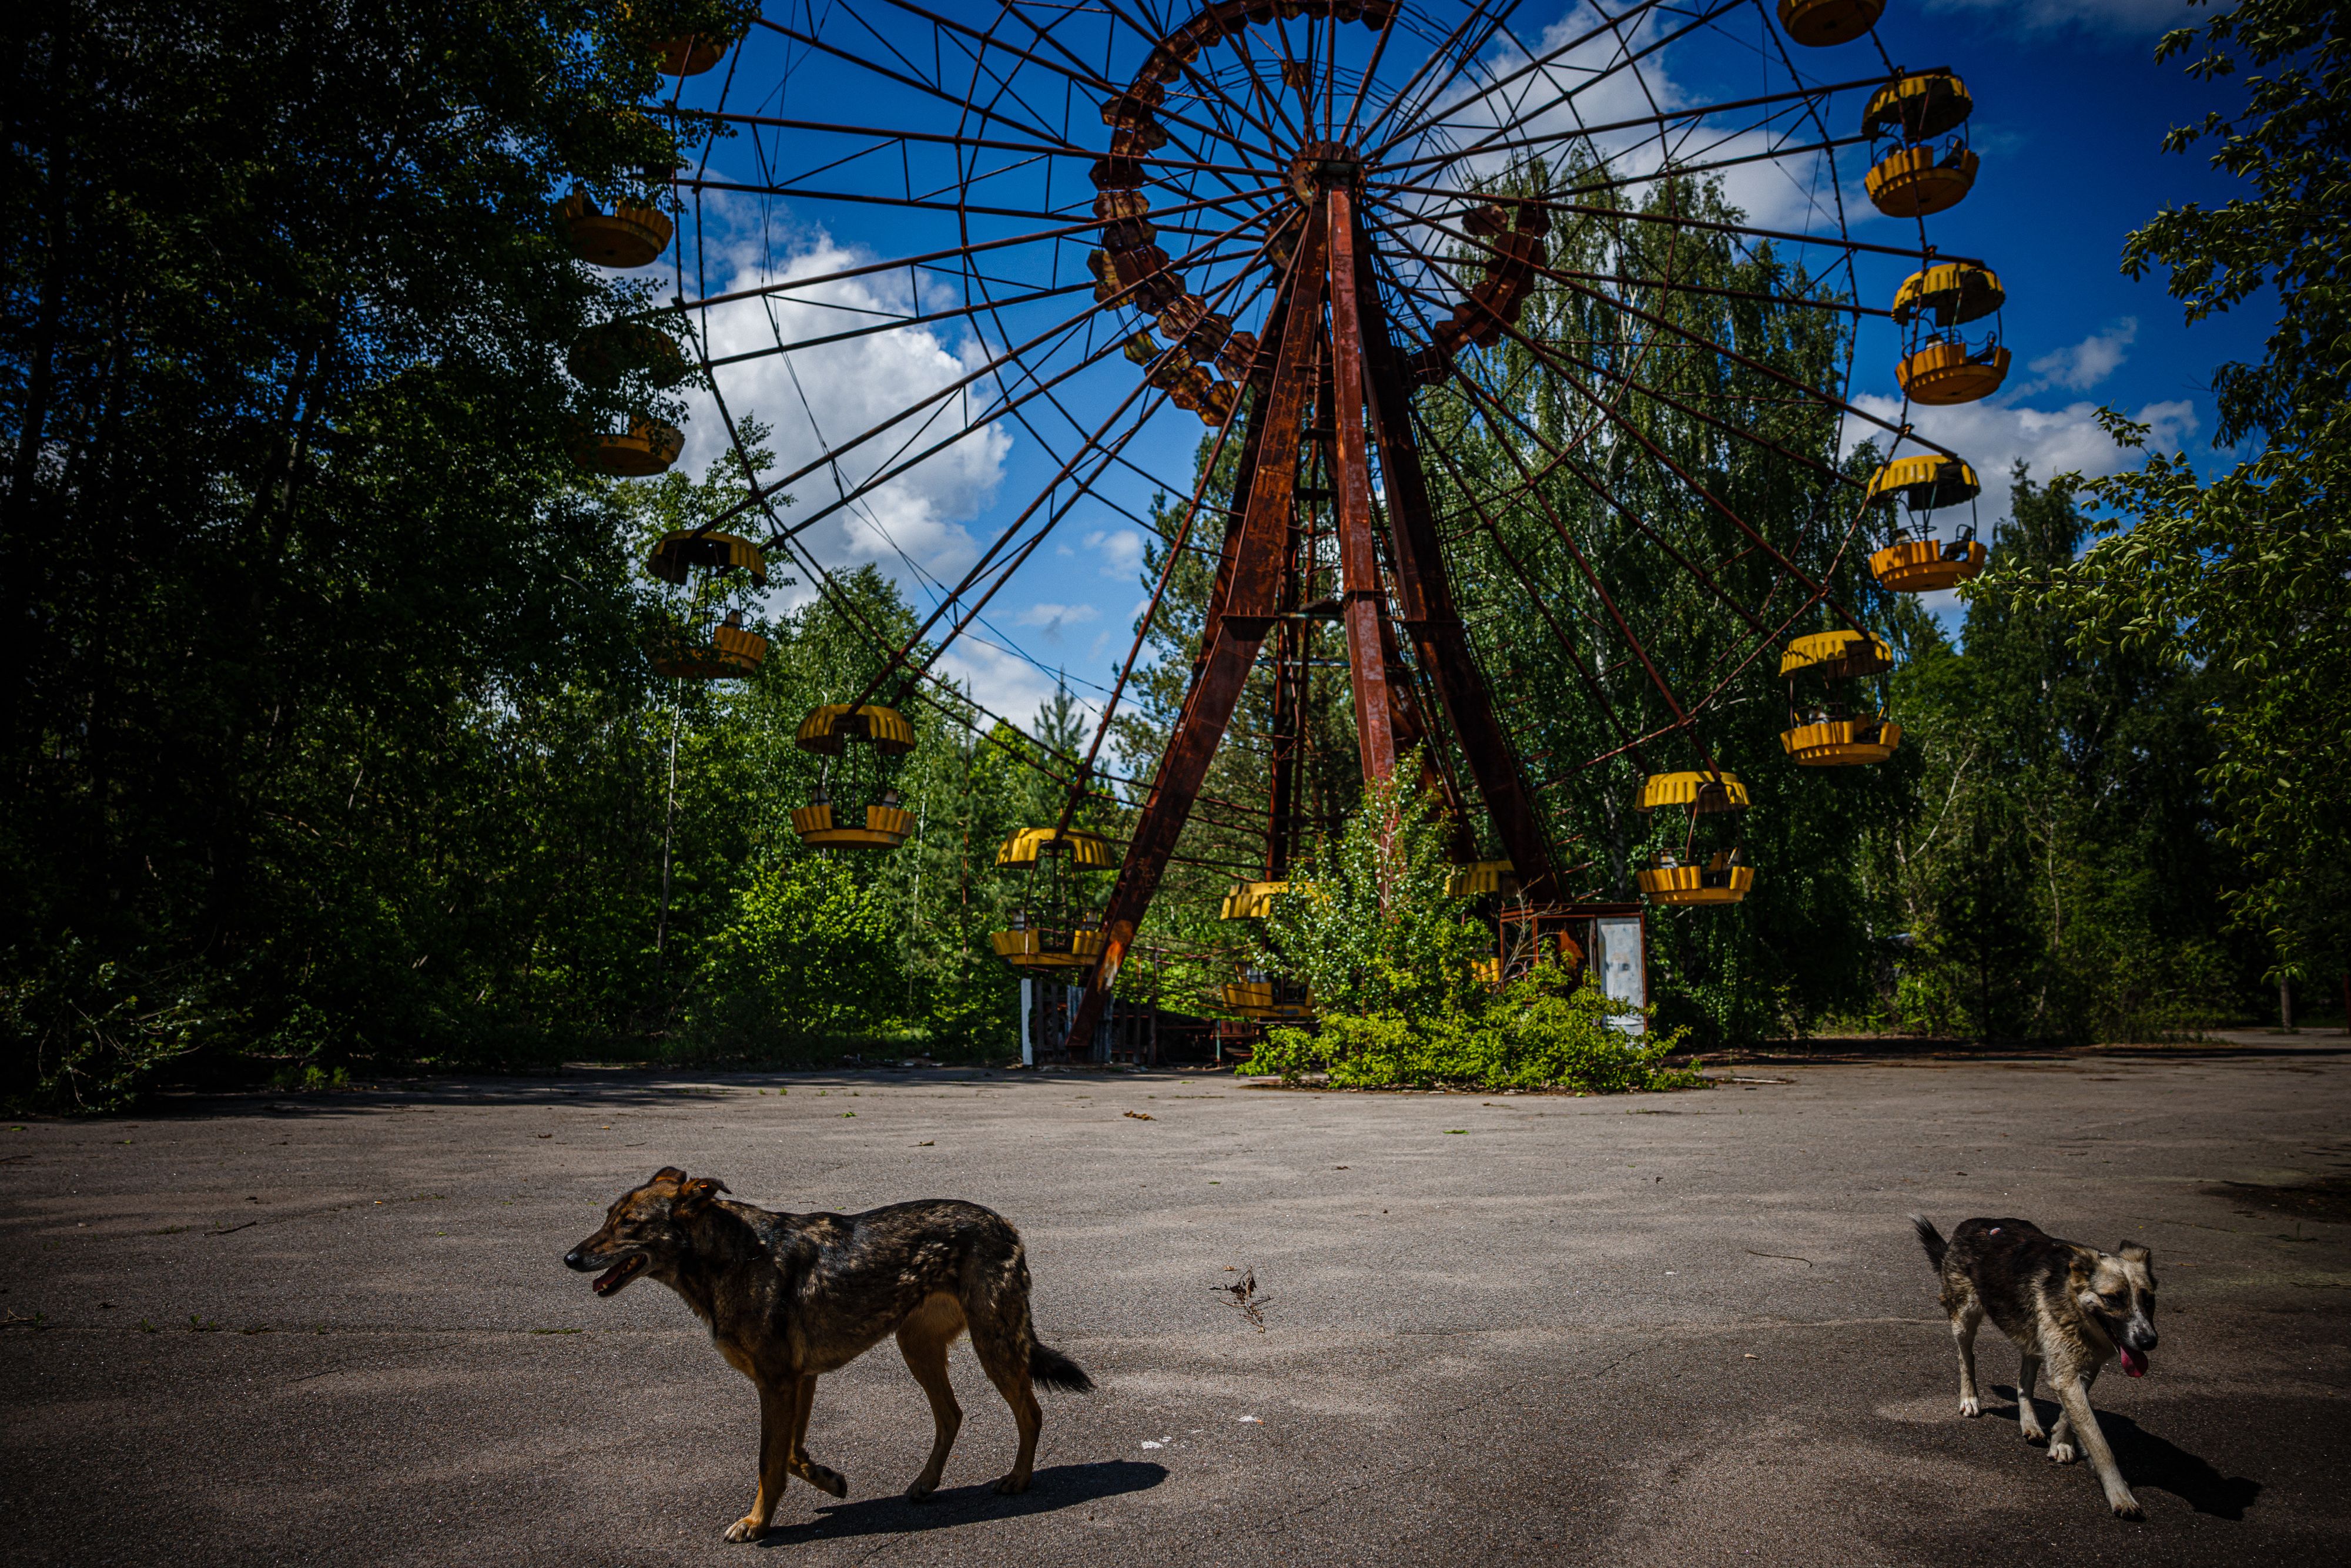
(1917, 107)
(602, 356)
(1949, 371)
(632, 235)
(703, 549)
(690, 56)
(1917, 181)
(1723, 879)
(1678, 878)
(1927, 566)
(1834, 743)
(1925, 483)
(1701, 792)
(1949, 292)
(1055, 927)
(1269, 999)
(646, 448)
(1841, 654)
(1822, 733)
(1940, 366)
(731, 653)
(1819, 24)
(1250, 900)
(1482, 877)
(1924, 564)
(863, 749)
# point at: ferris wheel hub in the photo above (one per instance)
(1323, 166)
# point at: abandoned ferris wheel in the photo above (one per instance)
(1402, 269)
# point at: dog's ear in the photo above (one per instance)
(2132, 1252)
(667, 1172)
(694, 1195)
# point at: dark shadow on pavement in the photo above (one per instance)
(2148, 1461)
(1052, 1489)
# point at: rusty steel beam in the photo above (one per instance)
(1363, 595)
(1258, 556)
(1425, 598)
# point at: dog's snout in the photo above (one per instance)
(574, 1259)
(2143, 1337)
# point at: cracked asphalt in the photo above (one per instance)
(1674, 1328)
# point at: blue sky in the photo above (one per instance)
(2070, 114)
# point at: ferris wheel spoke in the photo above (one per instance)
(1442, 50)
(1536, 596)
(1548, 353)
(1673, 171)
(832, 455)
(1826, 399)
(885, 138)
(1371, 72)
(918, 84)
(1011, 530)
(1422, 122)
(1632, 214)
(1600, 493)
(1530, 486)
(1497, 142)
(1464, 57)
(1098, 83)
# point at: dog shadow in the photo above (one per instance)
(2148, 1461)
(1053, 1487)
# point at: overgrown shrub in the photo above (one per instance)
(92, 1034)
(1547, 1030)
(809, 953)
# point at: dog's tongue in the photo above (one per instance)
(612, 1277)
(2134, 1364)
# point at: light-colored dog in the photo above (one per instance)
(2072, 1307)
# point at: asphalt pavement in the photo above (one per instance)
(1688, 1328)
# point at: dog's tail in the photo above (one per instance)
(1055, 1370)
(1930, 1238)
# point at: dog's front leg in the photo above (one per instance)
(2027, 1417)
(1963, 1333)
(816, 1475)
(2073, 1393)
(775, 1405)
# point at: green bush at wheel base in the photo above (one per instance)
(1544, 1032)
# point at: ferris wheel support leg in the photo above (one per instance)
(1247, 597)
(1429, 616)
(1365, 597)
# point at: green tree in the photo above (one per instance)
(2062, 875)
(2251, 572)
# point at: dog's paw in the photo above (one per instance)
(921, 1490)
(2062, 1454)
(825, 1479)
(746, 1529)
(1011, 1485)
(2036, 1436)
(2127, 1507)
(1970, 1407)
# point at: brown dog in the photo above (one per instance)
(2069, 1305)
(789, 1297)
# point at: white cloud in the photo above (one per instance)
(1006, 684)
(2085, 363)
(2136, 17)
(1052, 618)
(820, 398)
(1993, 437)
(1120, 549)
